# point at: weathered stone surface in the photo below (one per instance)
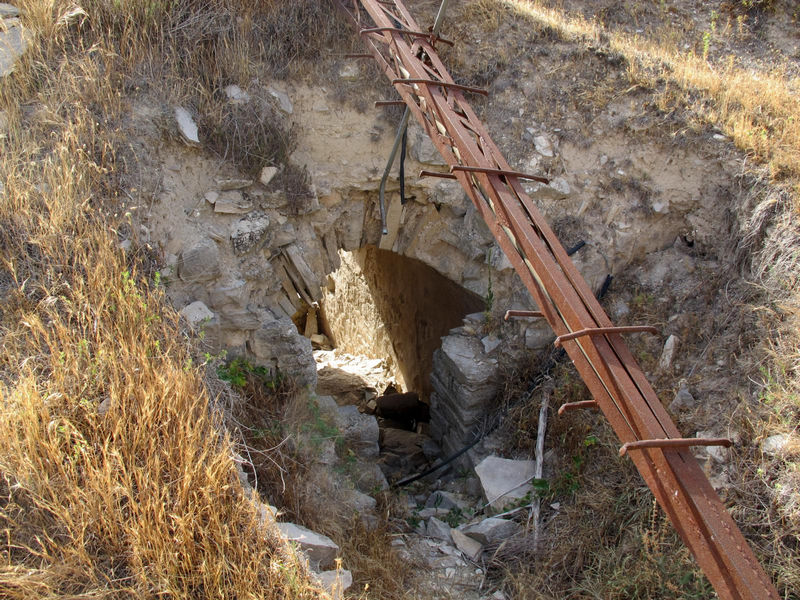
(7, 11)
(369, 478)
(12, 45)
(335, 582)
(248, 232)
(232, 203)
(470, 547)
(284, 103)
(421, 147)
(196, 313)
(186, 126)
(199, 262)
(492, 530)
(668, 353)
(231, 293)
(543, 146)
(295, 255)
(277, 344)
(503, 480)
(443, 499)
(359, 501)
(228, 184)
(236, 95)
(320, 549)
(776, 444)
(267, 174)
(683, 399)
(439, 530)
(232, 317)
(359, 430)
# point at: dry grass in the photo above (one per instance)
(118, 479)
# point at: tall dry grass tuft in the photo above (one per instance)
(116, 477)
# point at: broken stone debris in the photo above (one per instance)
(277, 344)
(13, 42)
(186, 126)
(335, 582)
(199, 262)
(492, 530)
(196, 313)
(438, 529)
(359, 430)
(231, 203)
(776, 444)
(683, 399)
(470, 547)
(267, 174)
(320, 549)
(233, 183)
(505, 481)
(236, 95)
(668, 353)
(248, 232)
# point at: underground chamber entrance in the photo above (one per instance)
(385, 306)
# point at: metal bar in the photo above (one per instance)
(522, 313)
(576, 405)
(674, 443)
(602, 331)
(416, 34)
(436, 174)
(617, 383)
(502, 172)
(446, 84)
(379, 103)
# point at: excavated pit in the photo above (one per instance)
(383, 305)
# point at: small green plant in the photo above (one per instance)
(237, 371)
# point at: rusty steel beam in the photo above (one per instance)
(617, 383)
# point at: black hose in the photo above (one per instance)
(403, 166)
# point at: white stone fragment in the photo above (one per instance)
(196, 313)
(186, 125)
(668, 353)
(267, 173)
(505, 481)
(320, 549)
(236, 95)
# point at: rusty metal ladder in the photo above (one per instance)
(408, 57)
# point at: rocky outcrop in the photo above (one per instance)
(278, 344)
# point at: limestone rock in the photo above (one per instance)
(335, 582)
(470, 547)
(231, 203)
(445, 500)
(369, 478)
(267, 174)
(438, 529)
(104, 406)
(277, 344)
(359, 501)
(232, 183)
(232, 317)
(360, 431)
(505, 481)
(320, 549)
(186, 126)
(199, 262)
(683, 399)
(196, 313)
(13, 44)
(231, 293)
(421, 147)
(543, 146)
(284, 103)
(776, 444)
(248, 232)
(7, 11)
(492, 530)
(236, 95)
(668, 353)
